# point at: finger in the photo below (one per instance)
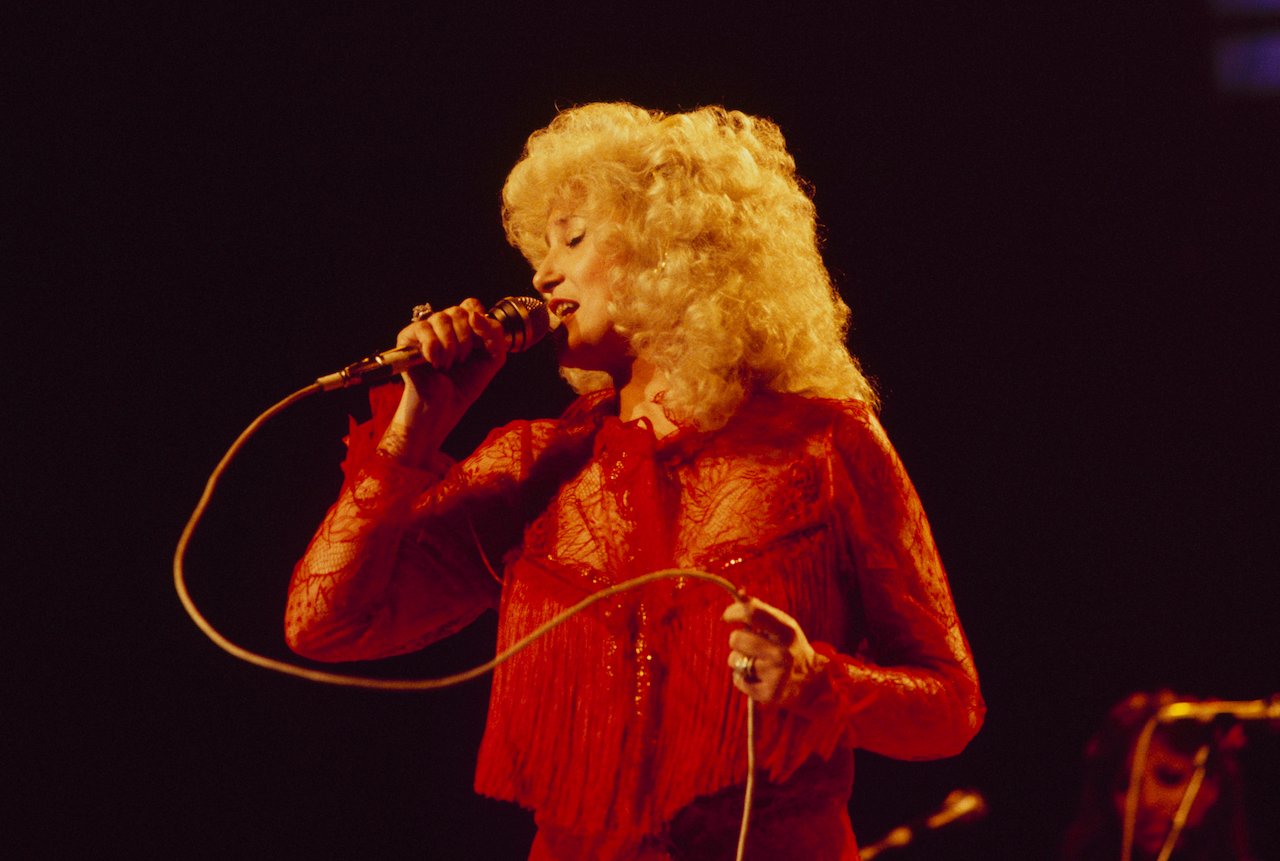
(737, 613)
(445, 347)
(464, 338)
(424, 336)
(489, 331)
(763, 661)
(764, 618)
(754, 645)
(742, 613)
(772, 622)
(421, 338)
(762, 687)
(746, 668)
(412, 335)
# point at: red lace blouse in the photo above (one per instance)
(621, 729)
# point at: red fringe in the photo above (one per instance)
(655, 737)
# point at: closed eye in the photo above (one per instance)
(574, 241)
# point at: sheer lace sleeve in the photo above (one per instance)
(911, 691)
(401, 559)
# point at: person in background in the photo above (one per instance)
(1215, 827)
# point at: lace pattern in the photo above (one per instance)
(617, 722)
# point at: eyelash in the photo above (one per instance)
(572, 243)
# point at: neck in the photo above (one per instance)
(636, 391)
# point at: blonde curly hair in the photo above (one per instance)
(722, 284)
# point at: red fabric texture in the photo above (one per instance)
(621, 729)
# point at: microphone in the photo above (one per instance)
(961, 805)
(1210, 709)
(524, 319)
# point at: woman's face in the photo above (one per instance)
(574, 280)
(1165, 781)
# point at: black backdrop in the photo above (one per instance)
(1056, 236)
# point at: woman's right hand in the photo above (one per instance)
(464, 349)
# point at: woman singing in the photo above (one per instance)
(722, 425)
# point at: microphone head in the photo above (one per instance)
(961, 805)
(525, 320)
(967, 803)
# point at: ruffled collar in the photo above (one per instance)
(638, 436)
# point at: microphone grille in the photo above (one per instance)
(525, 320)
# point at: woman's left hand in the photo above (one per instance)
(771, 657)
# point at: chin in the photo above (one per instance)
(600, 357)
(1148, 845)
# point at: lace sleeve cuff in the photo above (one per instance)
(825, 703)
(364, 460)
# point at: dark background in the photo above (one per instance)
(1056, 233)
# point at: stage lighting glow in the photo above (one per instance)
(1248, 63)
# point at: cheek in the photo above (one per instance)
(596, 307)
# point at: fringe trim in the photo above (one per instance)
(660, 729)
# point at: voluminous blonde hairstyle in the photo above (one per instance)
(720, 282)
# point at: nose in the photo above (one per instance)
(548, 274)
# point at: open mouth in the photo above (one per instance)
(562, 309)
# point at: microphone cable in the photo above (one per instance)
(371, 683)
(1203, 711)
(1137, 775)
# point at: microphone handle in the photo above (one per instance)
(959, 805)
(374, 369)
(524, 319)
